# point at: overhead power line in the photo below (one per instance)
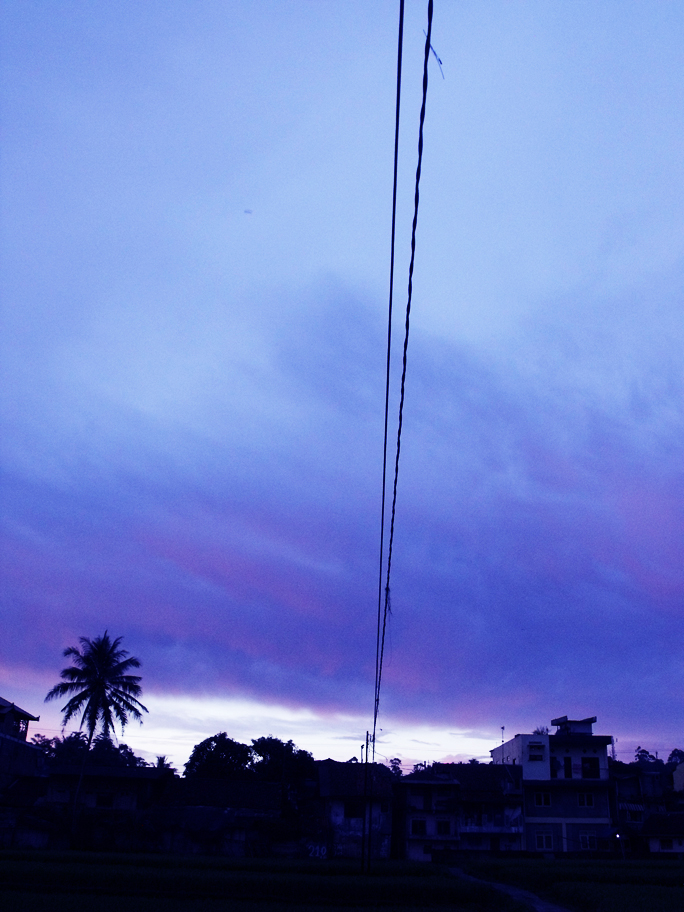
(384, 606)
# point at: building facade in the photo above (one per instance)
(450, 807)
(566, 788)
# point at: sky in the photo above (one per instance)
(195, 216)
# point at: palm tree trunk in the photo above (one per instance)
(78, 785)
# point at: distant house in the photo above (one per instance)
(14, 721)
(638, 792)
(565, 785)
(17, 756)
(490, 807)
(451, 807)
(219, 817)
(114, 788)
(356, 808)
(665, 834)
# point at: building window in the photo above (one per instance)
(443, 828)
(544, 842)
(418, 828)
(591, 768)
(635, 816)
(588, 842)
(665, 845)
(417, 799)
(536, 751)
(567, 767)
(542, 799)
(585, 799)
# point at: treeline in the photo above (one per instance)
(73, 749)
(218, 757)
(644, 757)
(269, 759)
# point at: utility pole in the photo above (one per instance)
(365, 801)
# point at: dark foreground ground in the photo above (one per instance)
(82, 882)
(90, 882)
(589, 885)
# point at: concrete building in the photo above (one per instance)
(566, 787)
(450, 807)
(356, 806)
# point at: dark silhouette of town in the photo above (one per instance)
(545, 793)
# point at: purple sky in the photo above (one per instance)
(195, 233)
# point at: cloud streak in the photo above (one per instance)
(192, 397)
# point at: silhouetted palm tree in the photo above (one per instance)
(99, 685)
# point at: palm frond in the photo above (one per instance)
(98, 685)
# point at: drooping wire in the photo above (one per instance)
(380, 647)
(400, 44)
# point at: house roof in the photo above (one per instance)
(91, 771)
(7, 707)
(353, 780)
(477, 780)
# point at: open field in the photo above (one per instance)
(80, 882)
(592, 885)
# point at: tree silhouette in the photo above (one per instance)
(395, 767)
(99, 686)
(219, 757)
(281, 761)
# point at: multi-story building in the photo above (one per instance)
(356, 805)
(448, 807)
(566, 789)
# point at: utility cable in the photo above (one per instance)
(380, 646)
(400, 44)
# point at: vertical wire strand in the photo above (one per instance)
(400, 44)
(387, 607)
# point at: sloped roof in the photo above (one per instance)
(348, 780)
(477, 780)
(91, 771)
(6, 707)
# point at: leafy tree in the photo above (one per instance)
(281, 761)
(473, 760)
(395, 767)
(73, 749)
(99, 685)
(129, 758)
(541, 730)
(677, 756)
(63, 751)
(219, 757)
(641, 755)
